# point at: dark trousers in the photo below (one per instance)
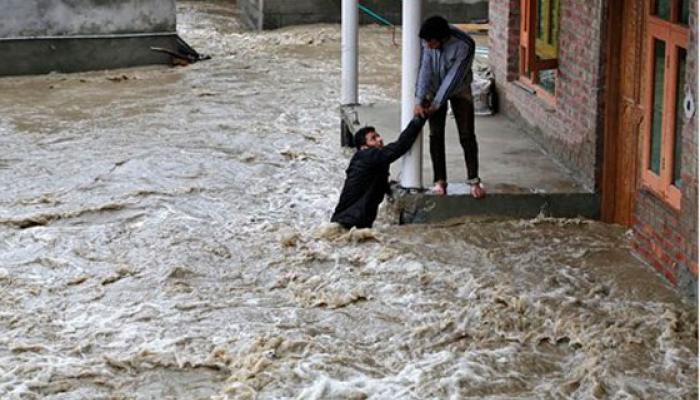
(463, 109)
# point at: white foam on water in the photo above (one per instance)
(164, 234)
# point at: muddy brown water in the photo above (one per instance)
(163, 236)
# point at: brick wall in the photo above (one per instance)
(504, 19)
(570, 129)
(665, 238)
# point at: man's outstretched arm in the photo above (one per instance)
(394, 150)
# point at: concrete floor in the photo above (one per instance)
(520, 179)
(509, 160)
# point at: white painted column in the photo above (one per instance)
(261, 14)
(412, 162)
(350, 25)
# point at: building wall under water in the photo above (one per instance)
(41, 36)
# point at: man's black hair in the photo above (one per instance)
(435, 27)
(361, 136)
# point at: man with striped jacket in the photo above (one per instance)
(446, 74)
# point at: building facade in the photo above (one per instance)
(609, 88)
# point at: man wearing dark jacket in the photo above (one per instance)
(367, 176)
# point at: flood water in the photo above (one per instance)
(163, 235)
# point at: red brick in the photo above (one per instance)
(679, 257)
(665, 231)
(669, 276)
(667, 262)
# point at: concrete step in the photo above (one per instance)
(427, 208)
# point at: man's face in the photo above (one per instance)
(433, 44)
(372, 139)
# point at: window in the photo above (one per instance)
(675, 11)
(539, 45)
(666, 51)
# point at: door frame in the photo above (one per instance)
(612, 112)
(622, 14)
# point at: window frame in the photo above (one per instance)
(675, 36)
(529, 65)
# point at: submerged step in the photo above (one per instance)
(416, 208)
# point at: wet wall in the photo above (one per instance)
(41, 36)
(279, 13)
(23, 18)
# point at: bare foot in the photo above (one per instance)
(440, 188)
(477, 191)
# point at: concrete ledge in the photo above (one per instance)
(29, 56)
(25, 18)
(424, 208)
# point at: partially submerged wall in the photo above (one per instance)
(571, 128)
(667, 239)
(279, 13)
(40, 36)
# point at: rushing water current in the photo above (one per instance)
(163, 235)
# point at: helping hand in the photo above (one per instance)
(419, 111)
(423, 112)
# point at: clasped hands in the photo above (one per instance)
(424, 110)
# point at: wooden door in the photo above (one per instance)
(624, 111)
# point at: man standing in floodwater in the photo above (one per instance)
(367, 176)
(446, 74)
